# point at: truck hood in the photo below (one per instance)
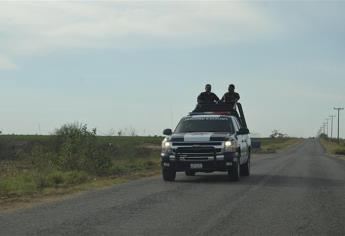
(200, 137)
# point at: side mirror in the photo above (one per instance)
(243, 131)
(167, 132)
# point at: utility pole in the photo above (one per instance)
(331, 116)
(327, 127)
(324, 128)
(338, 109)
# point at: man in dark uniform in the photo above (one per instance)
(231, 96)
(207, 97)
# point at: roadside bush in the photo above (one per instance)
(42, 159)
(18, 185)
(119, 169)
(61, 179)
(78, 149)
(76, 177)
(339, 151)
(125, 167)
(71, 156)
(151, 164)
(32, 182)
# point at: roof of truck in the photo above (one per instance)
(211, 113)
(224, 109)
(208, 116)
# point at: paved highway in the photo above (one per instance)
(297, 191)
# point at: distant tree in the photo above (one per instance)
(277, 134)
(127, 131)
(132, 132)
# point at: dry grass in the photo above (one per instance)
(57, 194)
(272, 145)
(332, 147)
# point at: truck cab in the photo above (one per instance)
(214, 139)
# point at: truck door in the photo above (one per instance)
(242, 140)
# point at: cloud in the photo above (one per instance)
(6, 64)
(40, 27)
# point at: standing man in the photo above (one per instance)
(207, 96)
(231, 96)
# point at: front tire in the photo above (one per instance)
(234, 173)
(245, 168)
(168, 174)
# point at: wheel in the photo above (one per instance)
(168, 174)
(190, 173)
(245, 168)
(234, 173)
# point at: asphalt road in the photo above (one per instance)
(298, 191)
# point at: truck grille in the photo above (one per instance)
(197, 144)
(197, 151)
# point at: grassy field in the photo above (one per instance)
(332, 147)
(36, 165)
(76, 159)
(272, 145)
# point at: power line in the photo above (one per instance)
(338, 109)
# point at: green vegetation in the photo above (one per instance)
(271, 145)
(332, 147)
(76, 158)
(74, 155)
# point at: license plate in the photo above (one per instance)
(196, 166)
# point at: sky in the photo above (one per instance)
(126, 65)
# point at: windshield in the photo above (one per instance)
(204, 124)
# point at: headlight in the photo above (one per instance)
(227, 144)
(166, 145)
(230, 146)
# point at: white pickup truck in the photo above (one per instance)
(206, 142)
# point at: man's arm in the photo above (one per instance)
(200, 98)
(216, 97)
(237, 96)
(224, 98)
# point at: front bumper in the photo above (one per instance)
(222, 162)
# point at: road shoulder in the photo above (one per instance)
(61, 194)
